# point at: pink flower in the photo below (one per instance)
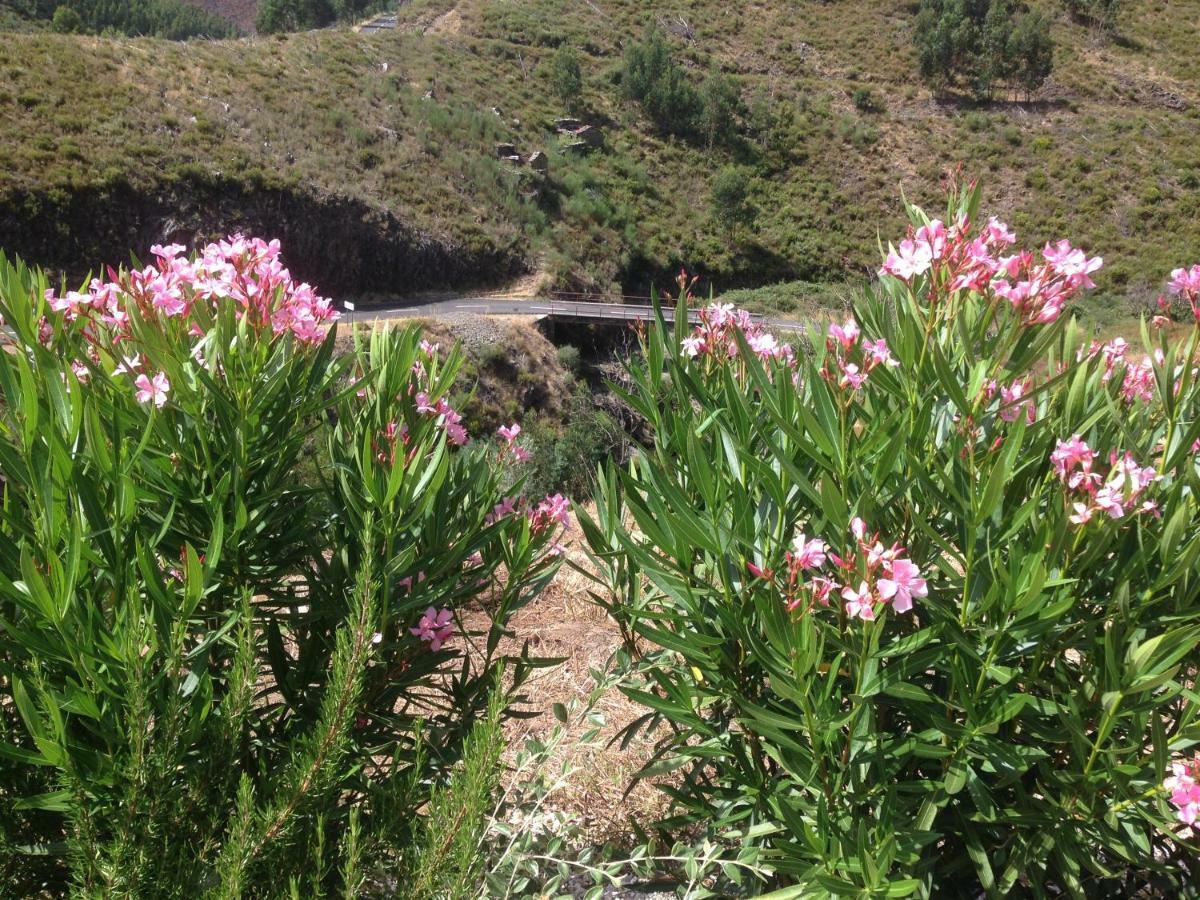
(1185, 281)
(1071, 263)
(451, 421)
(1069, 454)
(851, 377)
(998, 233)
(821, 589)
(877, 353)
(809, 554)
(859, 603)
(434, 627)
(1011, 405)
(1185, 789)
(693, 345)
(501, 509)
(152, 389)
(553, 508)
(913, 258)
(846, 335)
(509, 432)
(168, 252)
(858, 528)
(904, 582)
(935, 236)
(764, 345)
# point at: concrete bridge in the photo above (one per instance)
(583, 312)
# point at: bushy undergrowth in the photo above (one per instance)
(216, 678)
(917, 613)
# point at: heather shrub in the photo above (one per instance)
(217, 677)
(915, 612)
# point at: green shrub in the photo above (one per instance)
(864, 100)
(720, 108)
(66, 21)
(570, 358)
(917, 615)
(731, 196)
(652, 77)
(564, 460)
(566, 75)
(224, 670)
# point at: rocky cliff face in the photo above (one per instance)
(342, 246)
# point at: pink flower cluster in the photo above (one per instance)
(1116, 495)
(246, 273)
(956, 259)
(885, 575)
(1185, 285)
(450, 418)
(551, 509)
(806, 555)
(1014, 400)
(853, 358)
(716, 336)
(1184, 787)
(508, 435)
(543, 516)
(1138, 383)
(435, 628)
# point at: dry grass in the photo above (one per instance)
(564, 623)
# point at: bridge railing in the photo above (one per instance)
(561, 305)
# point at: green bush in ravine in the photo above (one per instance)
(218, 678)
(917, 613)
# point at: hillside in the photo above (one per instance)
(374, 156)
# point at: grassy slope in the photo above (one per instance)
(1102, 157)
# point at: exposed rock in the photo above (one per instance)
(567, 125)
(539, 162)
(590, 135)
(341, 245)
(506, 151)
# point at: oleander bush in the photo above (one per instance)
(218, 678)
(917, 612)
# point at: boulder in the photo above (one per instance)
(590, 135)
